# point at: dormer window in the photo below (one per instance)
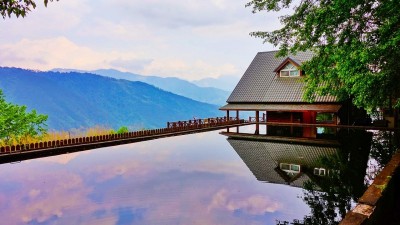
(289, 70)
(290, 168)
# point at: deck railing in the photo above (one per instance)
(199, 123)
(172, 127)
(253, 119)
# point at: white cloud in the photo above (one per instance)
(59, 52)
(188, 39)
(253, 204)
(188, 70)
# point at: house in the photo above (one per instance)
(273, 88)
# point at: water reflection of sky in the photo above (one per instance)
(192, 179)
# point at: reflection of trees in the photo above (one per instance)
(329, 200)
(330, 197)
(330, 203)
(384, 144)
(383, 147)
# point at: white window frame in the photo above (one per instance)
(293, 68)
(290, 170)
(320, 172)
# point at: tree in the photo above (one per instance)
(356, 45)
(17, 124)
(17, 7)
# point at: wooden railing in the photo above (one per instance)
(173, 127)
(199, 123)
(253, 119)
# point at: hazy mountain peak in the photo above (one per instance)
(175, 85)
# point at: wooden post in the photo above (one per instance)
(227, 117)
(257, 122)
(266, 120)
(291, 121)
(335, 120)
(237, 120)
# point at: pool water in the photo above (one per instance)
(203, 178)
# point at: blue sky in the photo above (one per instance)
(191, 39)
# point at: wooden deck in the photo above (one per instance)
(43, 149)
(322, 125)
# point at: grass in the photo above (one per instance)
(61, 135)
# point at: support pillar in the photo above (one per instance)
(291, 121)
(335, 119)
(237, 120)
(257, 122)
(266, 120)
(227, 118)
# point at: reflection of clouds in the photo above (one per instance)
(165, 181)
(46, 196)
(109, 171)
(221, 167)
(34, 193)
(62, 159)
(253, 204)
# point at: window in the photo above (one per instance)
(290, 70)
(291, 168)
(325, 172)
(319, 171)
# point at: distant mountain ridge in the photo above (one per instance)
(175, 85)
(226, 83)
(75, 100)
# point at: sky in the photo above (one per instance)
(191, 39)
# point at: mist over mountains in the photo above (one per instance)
(77, 100)
(226, 83)
(205, 92)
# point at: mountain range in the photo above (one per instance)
(78, 100)
(226, 83)
(205, 93)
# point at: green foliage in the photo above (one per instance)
(324, 117)
(122, 130)
(16, 124)
(356, 45)
(17, 7)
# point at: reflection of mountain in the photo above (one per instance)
(282, 163)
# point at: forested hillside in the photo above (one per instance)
(76, 100)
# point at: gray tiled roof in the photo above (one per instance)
(260, 83)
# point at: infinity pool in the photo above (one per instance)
(203, 178)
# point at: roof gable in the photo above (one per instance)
(285, 62)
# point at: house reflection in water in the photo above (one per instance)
(283, 163)
(331, 171)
